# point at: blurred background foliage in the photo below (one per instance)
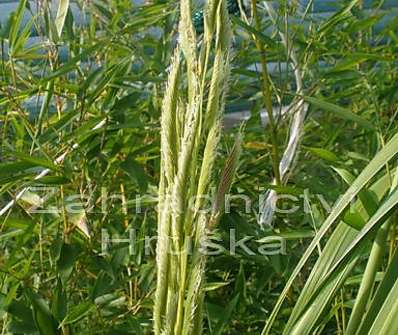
(109, 64)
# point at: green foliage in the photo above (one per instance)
(90, 125)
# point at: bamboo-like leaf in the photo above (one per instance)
(339, 111)
(16, 21)
(62, 11)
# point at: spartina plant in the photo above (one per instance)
(368, 220)
(190, 131)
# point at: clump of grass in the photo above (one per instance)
(191, 123)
